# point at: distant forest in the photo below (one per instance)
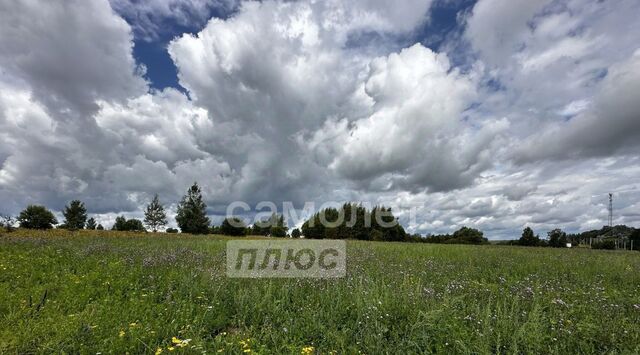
(350, 221)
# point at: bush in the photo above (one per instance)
(604, 244)
(135, 225)
(131, 225)
(296, 233)
(233, 226)
(7, 223)
(37, 217)
(172, 230)
(278, 232)
(464, 235)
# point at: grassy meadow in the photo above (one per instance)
(114, 292)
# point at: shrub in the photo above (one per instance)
(604, 244)
(7, 223)
(172, 230)
(135, 225)
(278, 232)
(296, 233)
(131, 225)
(233, 226)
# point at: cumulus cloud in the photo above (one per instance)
(150, 17)
(413, 138)
(52, 48)
(612, 124)
(286, 101)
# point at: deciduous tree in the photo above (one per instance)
(37, 217)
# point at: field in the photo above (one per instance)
(109, 292)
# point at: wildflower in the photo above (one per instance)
(560, 302)
(307, 350)
(158, 351)
(180, 343)
(183, 343)
(171, 348)
(121, 334)
(133, 325)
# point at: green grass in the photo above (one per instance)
(115, 292)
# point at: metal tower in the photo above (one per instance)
(610, 210)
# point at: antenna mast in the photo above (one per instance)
(610, 210)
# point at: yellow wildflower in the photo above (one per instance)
(121, 334)
(307, 350)
(171, 348)
(158, 351)
(183, 343)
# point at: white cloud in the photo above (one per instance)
(613, 123)
(52, 47)
(285, 102)
(149, 17)
(414, 136)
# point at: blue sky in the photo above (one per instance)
(152, 52)
(442, 24)
(492, 114)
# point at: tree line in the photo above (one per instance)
(604, 238)
(349, 221)
(191, 217)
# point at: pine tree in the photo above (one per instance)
(154, 215)
(192, 212)
(91, 223)
(75, 215)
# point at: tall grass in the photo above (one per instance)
(116, 292)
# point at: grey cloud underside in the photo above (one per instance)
(538, 126)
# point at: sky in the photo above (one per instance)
(492, 114)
